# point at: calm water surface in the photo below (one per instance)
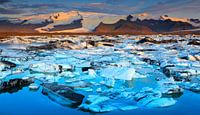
(26, 102)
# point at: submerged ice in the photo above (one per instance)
(102, 73)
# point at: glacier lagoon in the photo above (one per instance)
(26, 102)
(100, 74)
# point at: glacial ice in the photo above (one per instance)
(34, 87)
(195, 87)
(118, 73)
(45, 68)
(162, 102)
(122, 75)
(169, 87)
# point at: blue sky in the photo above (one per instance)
(178, 8)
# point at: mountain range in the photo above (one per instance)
(92, 22)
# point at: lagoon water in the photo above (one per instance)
(26, 102)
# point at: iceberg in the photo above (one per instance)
(150, 98)
(62, 94)
(34, 87)
(45, 68)
(161, 102)
(168, 87)
(122, 73)
(195, 87)
(6, 65)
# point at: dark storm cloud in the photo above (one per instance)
(4, 1)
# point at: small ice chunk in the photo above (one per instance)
(99, 89)
(110, 82)
(96, 103)
(92, 72)
(122, 64)
(34, 87)
(3, 74)
(191, 58)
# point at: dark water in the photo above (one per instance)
(26, 102)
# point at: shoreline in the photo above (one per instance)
(7, 34)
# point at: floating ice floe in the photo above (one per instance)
(97, 103)
(148, 97)
(123, 73)
(45, 68)
(6, 65)
(93, 104)
(195, 87)
(62, 94)
(34, 87)
(75, 72)
(168, 87)
(4, 74)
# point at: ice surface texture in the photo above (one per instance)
(103, 73)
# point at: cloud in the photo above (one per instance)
(154, 7)
(39, 8)
(95, 5)
(104, 8)
(10, 11)
(89, 5)
(4, 1)
(50, 5)
(117, 2)
(182, 8)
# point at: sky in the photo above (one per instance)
(177, 8)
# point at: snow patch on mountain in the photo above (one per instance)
(54, 19)
(166, 17)
(187, 20)
(59, 17)
(89, 20)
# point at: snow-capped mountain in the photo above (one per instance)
(86, 22)
(53, 20)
